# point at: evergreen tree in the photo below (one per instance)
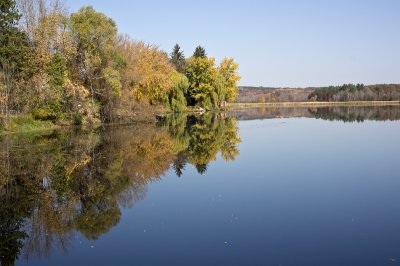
(13, 42)
(178, 59)
(57, 69)
(200, 52)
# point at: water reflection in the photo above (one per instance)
(340, 113)
(73, 181)
(199, 139)
(357, 114)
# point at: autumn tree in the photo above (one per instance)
(97, 61)
(201, 73)
(52, 108)
(227, 72)
(210, 85)
(76, 69)
(148, 71)
(46, 25)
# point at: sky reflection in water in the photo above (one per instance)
(292, 190)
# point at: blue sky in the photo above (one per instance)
(276, 43)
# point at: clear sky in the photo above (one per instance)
(276, 43)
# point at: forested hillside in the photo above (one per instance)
(267, 94)
(359, 92)
(344, 93)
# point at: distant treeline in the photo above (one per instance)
(267, 95)
(359, 92)
(346, 92)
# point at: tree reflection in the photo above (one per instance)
(200, 138)
(357, 113)
(339, 113)
(72, 181)
(11, 233)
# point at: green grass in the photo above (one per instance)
(22, 124)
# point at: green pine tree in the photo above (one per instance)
(13, 42)
(177, 58)
(199, 52)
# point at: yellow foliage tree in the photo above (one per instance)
(230, 78)
(201, 73)
(148, 71)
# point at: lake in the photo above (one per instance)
(283, 186)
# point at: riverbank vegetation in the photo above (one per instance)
(26, 124)
(77, 69)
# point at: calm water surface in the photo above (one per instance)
(293, 186)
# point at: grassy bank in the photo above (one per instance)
(313, 104)
(24, 124)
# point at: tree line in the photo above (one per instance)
(358, 92)
(343, 93)
(76, 68)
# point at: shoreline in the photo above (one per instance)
(314, 104)
(32, 126)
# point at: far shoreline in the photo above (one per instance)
(313, 104)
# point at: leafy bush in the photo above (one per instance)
(44, 114)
